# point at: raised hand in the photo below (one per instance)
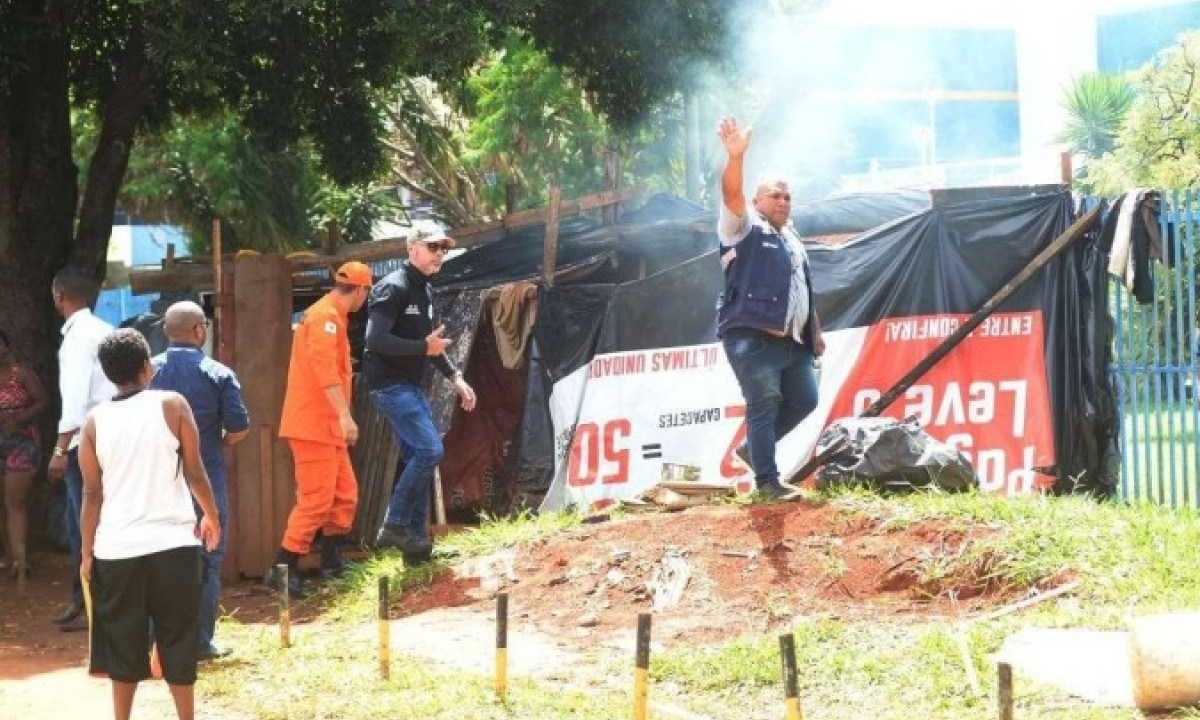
(734, 137)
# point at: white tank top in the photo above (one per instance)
(147, 507)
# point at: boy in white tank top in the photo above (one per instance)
(140, 458)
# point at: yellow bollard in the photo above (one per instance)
(791, 695)
(641, 668)
(501, 645)
(385, 633)
(285, 608)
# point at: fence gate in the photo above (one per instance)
(1154, 368)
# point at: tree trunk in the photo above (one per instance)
(119, 120)
(37, 188)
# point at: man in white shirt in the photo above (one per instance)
(82, 385)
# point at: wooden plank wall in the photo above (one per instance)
(265, 487)
(375, 458)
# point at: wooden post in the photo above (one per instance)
(691, 164)
(332, 238)
(385, 635)
(501, 645)
(285, 608)
(641, 668)
(216, 265)
(1065, 168)
(1004, 690)
(170, 261)
(550, 246)
(612, 181)
(439, 498)
(791, 694)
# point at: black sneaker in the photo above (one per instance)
(274, 580)
(775, 491)
(398, 537)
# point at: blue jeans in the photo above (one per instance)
(210, 572)
(73, 479)
(780, 390)
(407, 411)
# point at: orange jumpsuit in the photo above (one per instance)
(326, 489)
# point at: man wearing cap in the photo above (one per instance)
(402, 337)
(319, 428)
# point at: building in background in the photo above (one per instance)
(937, 93)
(133, 244)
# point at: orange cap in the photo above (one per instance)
(354, 273)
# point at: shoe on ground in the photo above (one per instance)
(274, 580)
(774, 492)
(213, 652)
(420, 555)
(77, 624)
(398, 537)
(73, 611)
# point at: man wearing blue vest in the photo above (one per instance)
(766, 321)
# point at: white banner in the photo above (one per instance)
(618, 419)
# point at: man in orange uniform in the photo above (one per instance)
(319, 428)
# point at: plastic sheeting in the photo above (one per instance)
(893, 455)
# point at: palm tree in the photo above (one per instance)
(1096, 104)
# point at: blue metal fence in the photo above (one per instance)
(1154, 368)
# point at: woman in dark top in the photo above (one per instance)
(22, 401)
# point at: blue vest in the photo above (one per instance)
(757, 283)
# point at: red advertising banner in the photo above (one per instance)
(988, 398)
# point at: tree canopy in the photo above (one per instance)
(1158, 144)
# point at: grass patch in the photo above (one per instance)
(329, 674)
(498, 533)
(1130, 559)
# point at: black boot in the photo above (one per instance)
(274, 577)
(332, 564)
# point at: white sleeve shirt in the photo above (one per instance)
(81, 381)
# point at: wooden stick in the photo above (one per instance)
(216, 269)
(285, 609)
(439, 497)
(960, 639)
(1030, 601)
(1048, 253)
(385, 632)
(641, 668)
(550, 241)
(1004, 690)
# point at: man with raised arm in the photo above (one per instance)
(767, 320)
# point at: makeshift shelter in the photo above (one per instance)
(595, 378)
(1026, 396)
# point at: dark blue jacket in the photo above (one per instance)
(215, 395)
(757, 282)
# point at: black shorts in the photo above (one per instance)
(128, 595)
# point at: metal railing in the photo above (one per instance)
(1154, 367)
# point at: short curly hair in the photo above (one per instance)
(123, 354)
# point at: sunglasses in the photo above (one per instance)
(437, 247)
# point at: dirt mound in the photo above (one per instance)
(747, 568)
